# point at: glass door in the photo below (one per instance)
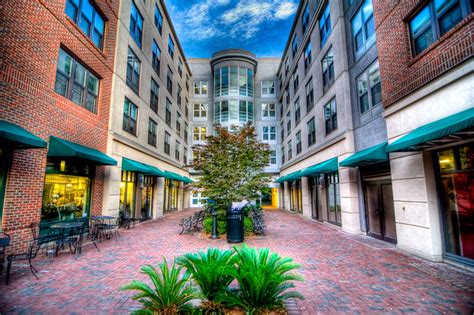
(333, 198)
(316, 205)
(147, 198)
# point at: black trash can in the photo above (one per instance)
(235, 224)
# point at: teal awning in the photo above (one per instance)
(433, 131)
(280, 179)
(66, 149)
(373, 154)
(293, 176)
(328, 166)
(18, 137)
(177, 177)
(142, 168)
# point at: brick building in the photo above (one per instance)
(425, 53)
(56, 74)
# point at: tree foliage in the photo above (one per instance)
(231, 164)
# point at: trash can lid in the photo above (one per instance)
(239, 205)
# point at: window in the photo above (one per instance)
(245, 111)
(89, 20)
(330, 116)
(233, 111)
(186, 127)
(282, 131)
(185, 156)
(268, 88)
(170, 46)
(130, 113)
(328, 70)
(75, 82)
(200, 88)
(233, 80)
(287, 66)
(369, 88)
(269, 133)
(180, 67)
(136, 25)
(273, 157)
(186, 110)
(434, 20)
(290, 150)
(325, 24)
(297, 111)
(311, 128)
(288, 123)
(156, 55)
(305, 18)
(296, 80)
(309, 95)
(268, 110)
(167, 143)
(178, 95)
(200, 111)
(333, 198)
(200, 133)
(178, 124)
(363, 26)
(282, 155)
(307, 56)
(177, 150)
(169, 81)
(294, 46)
(152, 132)
(158, 19)
(133, 71)
(298, 142)
(168, 112)
(154, 95)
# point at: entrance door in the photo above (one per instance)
(316, 205)
(380, 211)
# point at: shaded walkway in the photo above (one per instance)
(343, 273)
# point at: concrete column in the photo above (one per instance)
(349, 200)
(186, 194)
(112, 179)
(180, 196)
(286, 192)
(416, 207)
(158, 198)
(306, 191)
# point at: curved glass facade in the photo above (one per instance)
(233, 81)
(233, 111)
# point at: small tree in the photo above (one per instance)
(232, 165)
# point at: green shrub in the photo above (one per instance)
(221, 225)
(263, 280)
(170, 294)
(209, 271)
(248, 226)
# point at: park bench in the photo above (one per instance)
(194, 222)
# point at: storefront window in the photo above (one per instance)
(333, 198)
(127, 193)
(147, 197)
(296, 196)
(171, 195)
(456, 182)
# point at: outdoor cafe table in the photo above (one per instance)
(65, 228)
(102, 217)
(101, 224)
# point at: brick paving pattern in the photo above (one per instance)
(343, 273)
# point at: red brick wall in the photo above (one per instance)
(400, 72)
(32, 33)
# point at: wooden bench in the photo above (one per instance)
(192, 223)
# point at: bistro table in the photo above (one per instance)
(67, 233)
(101, 225)
(102, 217)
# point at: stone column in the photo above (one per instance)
(349, 200)
(112, 179)
(180, 196)
(286, 192)
(306, 191)
(158, 198)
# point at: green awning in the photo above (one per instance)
(141, 168)
(66, 149)
(293, 176)
(18, 137)
(280, 179)
(370, 155)
(177, 177)
(328, 166)
(432, 131)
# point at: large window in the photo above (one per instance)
(297, 112)
(282, 131)
(75, 82)
(168, 112)
(268, 88)
(298, 142)
(156, 55)
(130, 113)
(186, 127)
(152, 132)
(287, 66)
(330, 116)
(307, 56)
(200, 111)
(311, 128)
(169, 81)
(273, 157)
(309, 95)
(88, 18)
(305, 18)
(325, 24)
(177, 150)
(158, 19)
(333, 198)
(133, 71)
(178, 124)
(369, 88)
(185, 156)
(269, 133)
(434, 20)
(328, 69)
(178, 95)
(288, 123)
(127, 193)
(200, 88)
(282, 155)
(154, 95)
(180, 67)
(170, 46)
(233, 80)
(363, 28)
(199, 133)
(233, 111)
(294, 46)
(268, 110)
(296, 81)
(290, 150)
(136, 24)
(167, 143)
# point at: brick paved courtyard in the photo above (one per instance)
(346, 274)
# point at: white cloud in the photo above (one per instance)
(285, 9)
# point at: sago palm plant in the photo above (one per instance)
(170, 294)
(264, 280)
(210, 271)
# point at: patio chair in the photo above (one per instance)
(111, 229)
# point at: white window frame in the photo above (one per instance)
(266, 131)
(202, 110)
(199, 85)
(267, 111)
(266, 85)
(202, 134)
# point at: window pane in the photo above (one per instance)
(64, 62)
(77, 94)
(93, 84)
(449, 19)
(424, 40)
(61, 84)
(420, 21)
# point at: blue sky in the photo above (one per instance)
(206, 26)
